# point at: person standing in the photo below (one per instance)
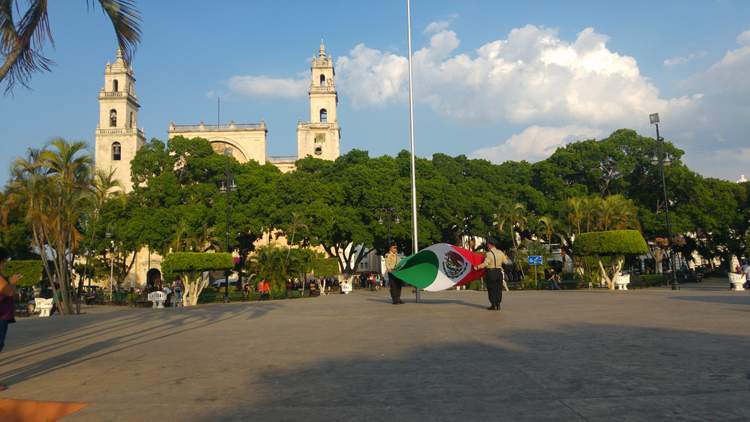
(391, 260)
(493, 262)
(178, 288)
(7, 300)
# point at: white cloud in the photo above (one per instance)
(559, 90)
(264, 86)
(536, 143)
(531, 77)
(371, 77)
(437, 26)
(679, 60)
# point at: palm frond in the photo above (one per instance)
(21, 43)
(126, 21)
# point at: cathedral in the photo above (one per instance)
(118, 135)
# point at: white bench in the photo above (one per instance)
(622, 281)
(737, 281)
(158, 297)
(43, 305)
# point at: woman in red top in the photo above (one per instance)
(7, 302)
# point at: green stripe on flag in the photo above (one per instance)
(419, 270)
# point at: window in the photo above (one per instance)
(116, 151)
(132, 119)
(115, 85)
(318, 150)
(323, 116)
(113, 118)
(322, 80)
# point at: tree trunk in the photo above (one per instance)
(193, 288)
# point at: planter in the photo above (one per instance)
(621, 281)
(736, 281)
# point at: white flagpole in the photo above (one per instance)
(411, 137)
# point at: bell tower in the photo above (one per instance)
(117, 134)
(320, 137)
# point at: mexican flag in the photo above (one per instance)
(439, 267)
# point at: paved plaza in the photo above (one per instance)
(573, 355)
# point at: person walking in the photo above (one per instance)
(493, 262)
(391, 260)
(7, 300)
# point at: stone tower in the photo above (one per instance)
(320, 136)
(117, 134)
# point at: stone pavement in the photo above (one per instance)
(573, 355)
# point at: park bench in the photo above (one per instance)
(158, 298)
(43, 305)
(737, 281)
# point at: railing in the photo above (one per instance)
(121, 131)
(112, 94)
(282, 158)
(317, 125)
(228, 127)
(330, 89)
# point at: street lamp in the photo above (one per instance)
(661, 159)
(108, 235)
(391, 216)
(227, 186)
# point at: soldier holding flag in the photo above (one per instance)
(493, 262)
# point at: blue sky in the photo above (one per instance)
(548, 72)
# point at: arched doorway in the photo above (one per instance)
(153, 278)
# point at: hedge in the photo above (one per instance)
(326, 267)
(613, 242)
(31, 270)
(191, 262)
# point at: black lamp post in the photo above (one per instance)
(228, 186)
(391, 216)
(661, 159)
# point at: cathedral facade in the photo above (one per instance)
(118, 136)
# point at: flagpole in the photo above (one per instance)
(411, 138)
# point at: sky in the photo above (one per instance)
(498, 80)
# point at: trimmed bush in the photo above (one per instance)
(191, 262)
(31, 270)
(325, 267)
(192, 265)
(613, 242)
(610, 247)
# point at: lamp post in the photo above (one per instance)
(661, 159)
(391, 216)
(108, 235)
(227, 186)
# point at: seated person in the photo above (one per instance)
(555, 280)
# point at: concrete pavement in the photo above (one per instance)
(648, 354)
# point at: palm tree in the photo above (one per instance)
(55, 185)
(105, 187)
(22, 40)
(575, 213)
(515, 219)
(548, 226)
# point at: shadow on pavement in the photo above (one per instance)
(574, 372)
(119, 332)
(740, 299)
(411, 300)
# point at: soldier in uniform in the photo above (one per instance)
(391, 260)
(493, 262)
